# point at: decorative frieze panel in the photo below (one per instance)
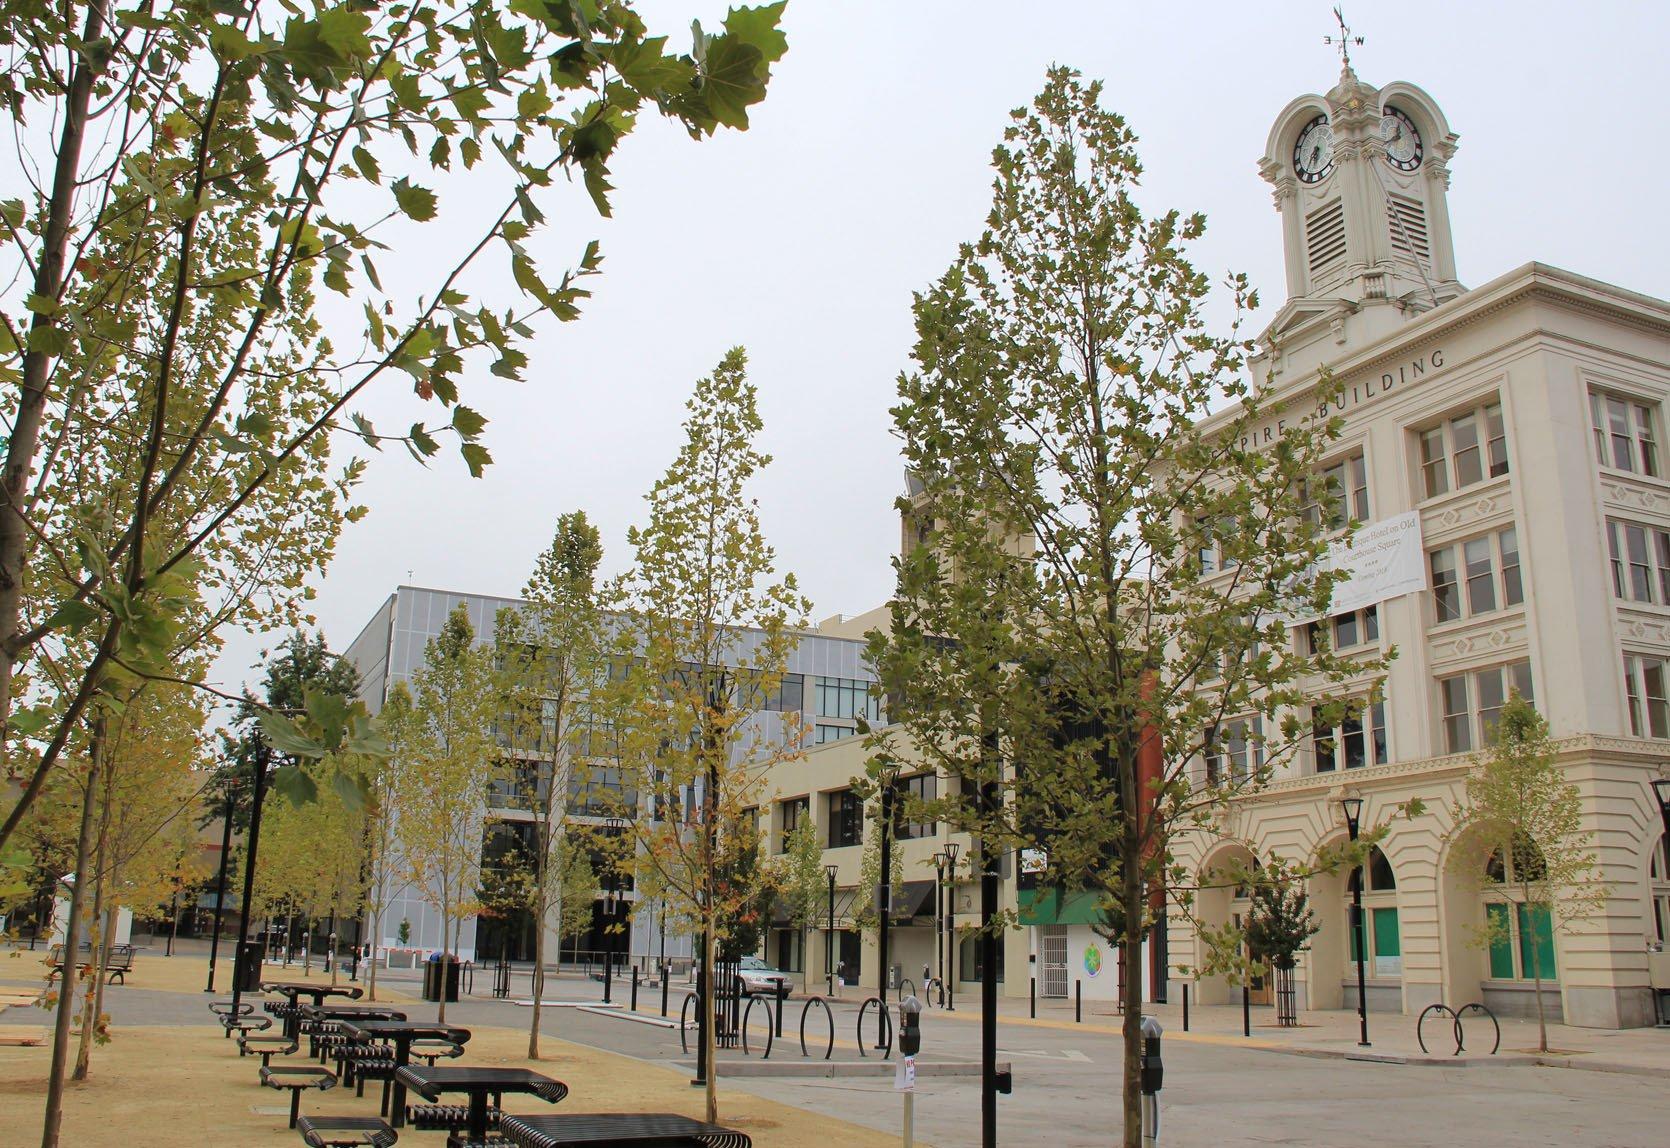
(1634, 498)
(1486, 642)
(1466, 513)
(1641, 630)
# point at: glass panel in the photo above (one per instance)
(1640, 570)
(1615, 546)
(1458, 732)
(1519, 677)
(1513, 593)
(1380, 876)
(1322, 742)
(1356, 471)
(1597, 419)
(1388, 948)
(1658, 710)
(1464, 439)
(1371, 617)
(1632, 694)
(1351, 736)
(1498, 435)
(1617, 422)
(1501, 946)
(1534, 919)
(1377, 723)
(1481, 586)
(1345, 631)
(1446, 594)
(1491, 696)
(1661, 539)
(1433, 468)
(1644, 436)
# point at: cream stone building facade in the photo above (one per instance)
(1509, 440)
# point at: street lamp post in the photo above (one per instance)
(884, 894)
(1661, 790)
(220, 886)
(1353, 807)
(951, 851)
(246, 953)
(829, 937)
(939, 924)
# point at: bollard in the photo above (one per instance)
(1185, 1006)
(1078, 1001)
(1032, 997)
(665, 980)
(782, 995)
(1246, 1011)
(634, 988)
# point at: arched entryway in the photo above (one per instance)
(1495, 944)
(1221, 902)
(1331, 967)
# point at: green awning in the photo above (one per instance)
(1050, 907)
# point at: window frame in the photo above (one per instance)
(1639, 699)
(846, 820)
(1477, 435)
(1375, 737)
(1514, 675)
(1339, 492)
(1220, 767)
(1461, 586)
(1653, 563)
(1639, 415)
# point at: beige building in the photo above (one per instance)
(1507, 439)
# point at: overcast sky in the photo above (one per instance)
(804, 237)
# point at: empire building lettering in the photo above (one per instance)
(1353, 395)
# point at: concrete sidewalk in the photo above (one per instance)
(1392, 1036)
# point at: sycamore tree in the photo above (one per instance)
(804, 887)
(707, 628)
(1098, 568)
(551, 653)
(446, 755)
(1525, 848)
(195, 179)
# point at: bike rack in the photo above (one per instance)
(1456, 1027)
(684, 1021)
(769, 1028)
(830, 1051)
(901, 990)
(883, 1019)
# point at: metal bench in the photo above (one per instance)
(345, 1131)
(446, 1117)
(121, 962)
(244, 1025)
(266, 1047)
(296, 1077)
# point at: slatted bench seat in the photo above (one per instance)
(224, 1008)
(344, 1131)
(445, 1117)
(266, 1047)
(244, 1025)
(297, 1077)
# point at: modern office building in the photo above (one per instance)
(1506, 440)
(825, 684)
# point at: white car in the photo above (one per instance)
(760, 979)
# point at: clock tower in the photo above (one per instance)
(1360, 178)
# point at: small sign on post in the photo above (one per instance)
(904, 1074)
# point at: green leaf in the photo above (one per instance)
(417, 202)
(48, 340)
(367, 164)
(762, 28)
(363, 425)
(295, 783)
(647, 69)
(352, 789)
(467, 421)
(422, 443)
(229, 42)
(73, 616)
(732, 79)
(32, 721)
(286, 736)
(476, 458)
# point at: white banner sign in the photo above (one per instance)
(1384, 560)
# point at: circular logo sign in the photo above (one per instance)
(1092, 959)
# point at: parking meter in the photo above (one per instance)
(1153, 1076)
(910, 1026)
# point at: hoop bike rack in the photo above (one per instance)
(901, 989)
(883, 1019)
(1456, 1027)
(769, 1028)
(696, 998)
(830, 1051)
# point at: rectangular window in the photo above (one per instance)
(923, 787)
(1624, 433)
(1463, 450)
(1388, 944)
(846, 698)
(1645, 679)
(793, 810)
(1640, 557)
(1536, 934)
(1338, 494)
(1473, 702)
(846, 819)
(1358, 740)
(1358, 628)
(1501, 943)
(1210, 548)
(827, 733)
(1233, 750)
(1477, 576)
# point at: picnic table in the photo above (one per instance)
(294, 990)
(636, 1129)
(401, 1034)
(479, 1084)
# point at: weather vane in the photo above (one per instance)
(1345, 39)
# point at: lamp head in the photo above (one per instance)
(830, 871)
(1661, 790)
(1353, 807)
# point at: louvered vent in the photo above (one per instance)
(1408, 223)
(1325, 237)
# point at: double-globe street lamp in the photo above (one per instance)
(1353, 809)
(951, 851)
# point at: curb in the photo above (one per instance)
(840, 1068)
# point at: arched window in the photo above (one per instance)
(1521, 935)
(1658, 878)
(1385, 943)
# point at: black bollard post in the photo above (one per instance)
(1078, 1001)
(1246, 1011)
(782, 995)
(1185, 1006)
(665, 980)
(634, 988)
(1032, 997)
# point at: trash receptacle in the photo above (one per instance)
(246, 967)
(440, 973)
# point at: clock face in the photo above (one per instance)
(1403, 142)
(1313, 154)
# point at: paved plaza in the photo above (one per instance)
(1281, 1087)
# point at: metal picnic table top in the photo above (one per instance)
(297, 989)
(401, 1033)
(634, 1128)
(479, 1083)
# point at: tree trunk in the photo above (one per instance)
(72, 943)
(1536, 980)
(371, 952)
(96, 945)
(1130, 899)
(710, 938)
